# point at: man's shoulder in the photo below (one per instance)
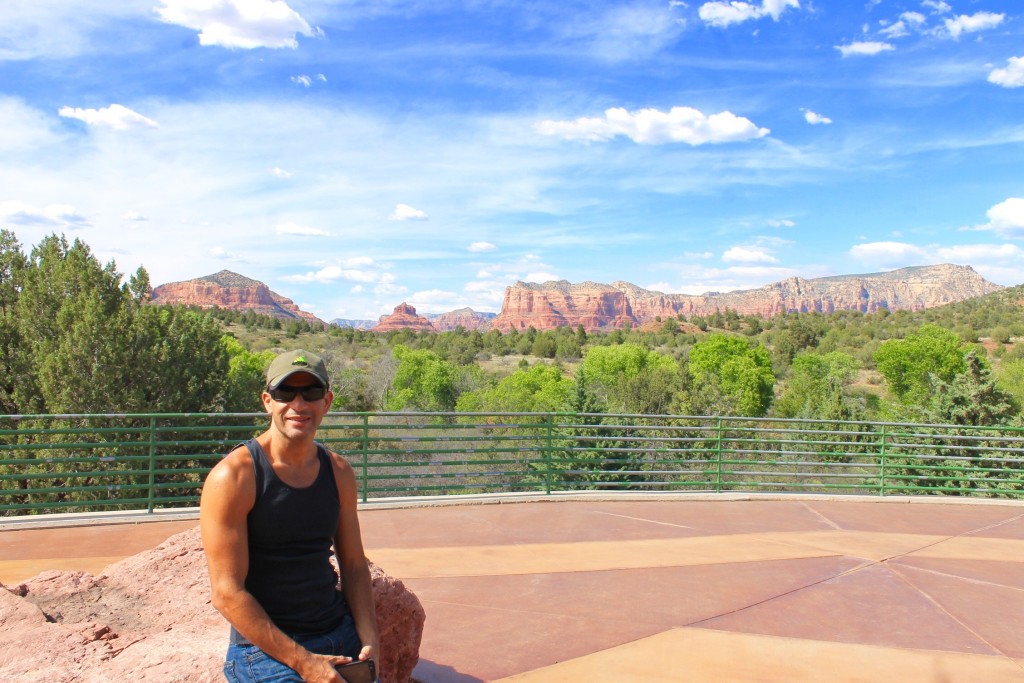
(236, 464)
(339, 463)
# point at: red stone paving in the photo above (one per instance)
(871, 589)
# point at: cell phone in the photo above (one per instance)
(358, 671)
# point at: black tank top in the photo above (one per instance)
(291, 532)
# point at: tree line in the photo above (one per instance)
(76, 337)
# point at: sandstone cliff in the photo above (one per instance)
(600, 306)
(466, 318)
(231, 291)
(404, 317)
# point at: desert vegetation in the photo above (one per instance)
(77, 338)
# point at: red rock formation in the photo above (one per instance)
(149, 618)
(598, 306)
(404, 317)
(466, 318)
(230, 291)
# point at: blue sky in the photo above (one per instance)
(357, 154)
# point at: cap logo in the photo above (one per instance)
(301, 360)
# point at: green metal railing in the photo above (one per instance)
(144, 462)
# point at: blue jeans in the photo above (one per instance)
(249, 664)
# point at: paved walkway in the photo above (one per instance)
(655, 589)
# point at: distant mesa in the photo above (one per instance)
(405, 317)
(230, 291)
(466, 318)
(598, 306)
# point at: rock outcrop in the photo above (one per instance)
(404, 317)
(149, 618)
(600, 306)
(231, 291)
(466, 318)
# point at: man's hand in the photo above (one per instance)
(320, 668)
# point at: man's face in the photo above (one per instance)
(297, 417)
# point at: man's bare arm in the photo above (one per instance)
(355, 572)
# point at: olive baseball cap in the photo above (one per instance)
(291, 362)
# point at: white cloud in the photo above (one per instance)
(870, 47)
(781, 223)
(134, 216)
(541, 277)
(361, 269)
(306, 81)
(290, 228)
(981, 253)
(245, 24)
(722, 14)
(625, 31)
(115, 116)
(698, 255)
(889, 254)
(973, 23)
(1012, 76)
(1007, 219)
(701, 280)
(389, 289)
(746, 254)
(902, 27)
(325, 275)
(654, 127)
(815, 119)
(404, 212)
(222, 254)
(281, 173)
(480, 247)
(51, 216)
(937, 6)
(897, 30)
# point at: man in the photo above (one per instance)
(269, 513)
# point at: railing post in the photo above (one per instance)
(152, 465)
(547, 453)
(365, 478)
(718, 453)
(881, 465)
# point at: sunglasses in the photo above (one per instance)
(286, 394)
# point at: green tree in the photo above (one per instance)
(730, 377)
(73, 317)
(1010, 379)
(246, 376)
(631, 378)
(816, 386)
(422, 381)
(88, 344)
(14, 369)
(970, 398)
(907, 363)
(538, 388)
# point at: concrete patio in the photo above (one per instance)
(671, 588)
